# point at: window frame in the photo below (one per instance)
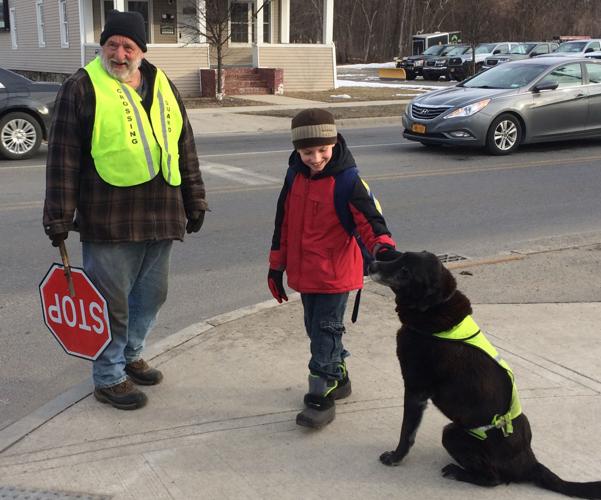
(39, 13)
(12, 21)
(63, 21)
(249, 22)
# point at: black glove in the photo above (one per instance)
(195, 221)
(387, 252)
(275, 280)
(58, 238)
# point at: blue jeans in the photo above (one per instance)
(132, 277)
(324, 314)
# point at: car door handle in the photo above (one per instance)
(580, 96)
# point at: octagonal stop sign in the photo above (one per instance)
(79, 323)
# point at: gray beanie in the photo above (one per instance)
(313, 127)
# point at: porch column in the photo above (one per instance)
(259, 22)
(284, 21)
(202, 21)
(328, 22)
(119, 5)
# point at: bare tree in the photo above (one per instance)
(211, 19)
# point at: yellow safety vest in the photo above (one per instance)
(468, 332)
(128, 148)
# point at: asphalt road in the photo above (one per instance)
(456, 201)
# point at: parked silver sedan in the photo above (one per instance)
(534, 100)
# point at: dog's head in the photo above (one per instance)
(418, 279)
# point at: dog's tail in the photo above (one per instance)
(544, 478)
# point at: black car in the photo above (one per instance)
(25, 113)
(435, 67)
(414, 65)
(522, 51)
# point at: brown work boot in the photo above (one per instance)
(142, 374)
(124, 396)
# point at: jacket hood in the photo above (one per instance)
(341, 159)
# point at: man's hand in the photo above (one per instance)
(195, 221)
(275, 280)
(58, 238)
(387, 252)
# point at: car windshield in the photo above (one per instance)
(485, 48)
(506, 76)
(523, 48)
(457, 51)
(434, 50)
(571, 47)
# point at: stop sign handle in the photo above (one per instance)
(67, 268)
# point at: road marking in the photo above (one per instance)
(259, 182)
(237, 174)
(279, 151)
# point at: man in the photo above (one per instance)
(122, 170)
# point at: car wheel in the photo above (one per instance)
(504, 135)
(410, 75)
(20, 136)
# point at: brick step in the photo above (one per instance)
(249, 91)
(245, 79)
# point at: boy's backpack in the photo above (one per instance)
(344, 184)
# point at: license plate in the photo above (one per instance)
(418, 128)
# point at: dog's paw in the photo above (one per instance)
(451, 471)
(390, 458)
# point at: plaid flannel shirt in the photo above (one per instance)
(78, 199)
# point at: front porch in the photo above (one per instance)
(258, 37)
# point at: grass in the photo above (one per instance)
(341, 112)
(356, 94)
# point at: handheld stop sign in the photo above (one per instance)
(74, 310)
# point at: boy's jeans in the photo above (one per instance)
(324, 314)
(132, 277)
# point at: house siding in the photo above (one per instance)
(234, 56)
(295, 59)
(29, 56)
(180, 64)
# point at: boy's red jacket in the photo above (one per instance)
(309, 241)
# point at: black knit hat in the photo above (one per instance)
(129, 24)
(313, 127)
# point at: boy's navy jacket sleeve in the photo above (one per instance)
(368, 218)
(277, 255)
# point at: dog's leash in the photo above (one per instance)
(356, 306)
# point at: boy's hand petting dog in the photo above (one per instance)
(275, 280)
(387, 252)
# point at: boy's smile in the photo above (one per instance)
(317, 157)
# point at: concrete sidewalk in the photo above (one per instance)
(234, 119)
(222, 423)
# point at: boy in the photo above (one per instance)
(322, 260)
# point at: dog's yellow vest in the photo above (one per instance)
(468, 331)
(129, 148)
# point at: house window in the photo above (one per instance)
(63, 23)
(267, 22)
(39, 10)
(241, 22)
(4, 24)
(141, 6)
(13, 23)
(107, 6)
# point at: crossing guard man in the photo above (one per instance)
(122, 170)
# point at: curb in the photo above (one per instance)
(15, 432)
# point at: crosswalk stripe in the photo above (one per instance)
(241, 175)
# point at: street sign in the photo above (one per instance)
(79, 322)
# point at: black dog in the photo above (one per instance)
(489, 437)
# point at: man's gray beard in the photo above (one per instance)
(122, 77)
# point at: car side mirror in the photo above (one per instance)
(534, 54)
(498, 51)
(590, 49)
(545, 86)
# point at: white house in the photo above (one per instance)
(56, 37)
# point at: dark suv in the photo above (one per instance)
(25, 111)
(460, 66)
(414, 65)
(435, 67)
(522, 51)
